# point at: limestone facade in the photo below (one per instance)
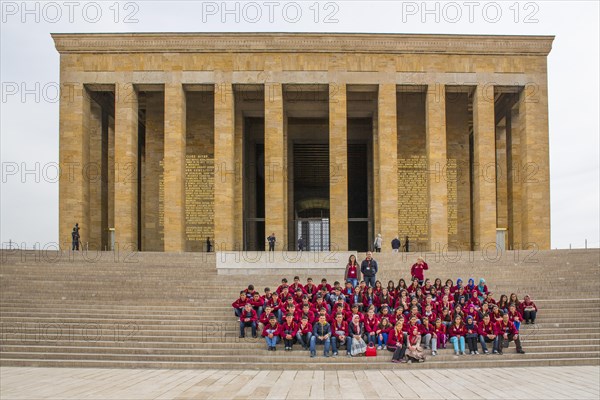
(174, 138)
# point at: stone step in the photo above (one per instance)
(280, 356)
(255, 351)
(319, 363)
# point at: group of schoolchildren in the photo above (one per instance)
(404, 319)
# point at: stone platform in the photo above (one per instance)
(500, 383)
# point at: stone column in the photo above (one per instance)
(338, 169)
(174, 167)
(239, 180)
(126, 167)
(534, 165)
(501, 181)
(153, 230)
(484, 167)
(73, 156)
(435, 127)
(513, 180)
(94, 175)
(275, 182)
(224, 180)
(386, 219)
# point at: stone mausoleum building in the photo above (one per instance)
(169, 138)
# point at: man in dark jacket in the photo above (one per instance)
(321, 335)
(395, 244)
(369, 270)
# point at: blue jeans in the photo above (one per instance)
(382, 339)
(314, 342)
(335, 344)
(371, 338)
(238, 311)
(484, 339)
(458, 342)
(370, 281)
(304, 340)
(353, 281)
(243, 326)
(272, 342)
(517, 324)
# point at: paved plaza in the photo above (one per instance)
(399, 383)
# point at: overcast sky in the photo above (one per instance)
(30, 75)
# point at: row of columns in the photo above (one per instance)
(74, 150)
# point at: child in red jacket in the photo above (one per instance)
(528, 310)
(238, 305)
(508, 333)
(271, 333)
(304, 332)
(371, 323)
(438, 336)
(287, 331)
(457, 333)
(340, 335)
(383, 331)
(396, 343)
(248, 318)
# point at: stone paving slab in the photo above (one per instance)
(581, 382)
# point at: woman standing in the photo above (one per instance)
(377, 243)
(352, 273)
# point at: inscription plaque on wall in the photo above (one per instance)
(452, 177)
(199, 199)
(412, 197)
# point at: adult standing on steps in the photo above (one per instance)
(416, 271)
(369, 269)
(271, 239)
(395, 245)
(377, 243)
(75, 237)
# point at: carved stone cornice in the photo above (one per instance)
(301, 42)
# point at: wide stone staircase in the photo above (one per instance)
(158, 310)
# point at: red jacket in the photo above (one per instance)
(239, 303)
(295, 286)
(412, 289)
(285, 329)
(310, 315)
(327, 285)
(439, 329)
(523, 306)
(417, 270)
(368, 301)
(270, 329)
(508, 328)
(380, 300)
(489, 329)
(395, 340)
(253, 317)
(371, 324)
(257, 303)
(306, 329)
(454, 331)
(335, 328)
(512, 317)
(264, 319)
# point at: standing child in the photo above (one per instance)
(352, 273)
(416, 271)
